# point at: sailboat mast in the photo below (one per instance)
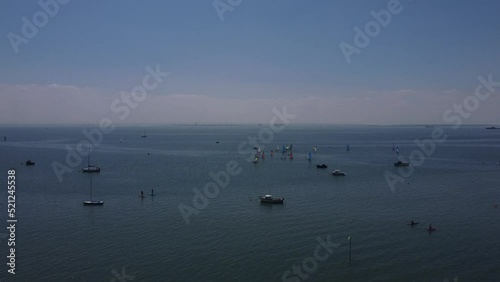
(90, 188)
(88, 159)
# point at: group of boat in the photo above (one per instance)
(286, 152)
(95, 169)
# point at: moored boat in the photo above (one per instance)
(269, 199)
(321, 166)
(400, 163)
(338, 173)
(90, 168)
(91, 202)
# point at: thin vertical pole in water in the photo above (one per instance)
(349, 238)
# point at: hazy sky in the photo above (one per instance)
(263, 54)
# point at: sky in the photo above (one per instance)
(236, 65)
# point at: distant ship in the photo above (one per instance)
(492, 127)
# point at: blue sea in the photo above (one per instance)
(231, 236)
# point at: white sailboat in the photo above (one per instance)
(90, 168)
(90, 202)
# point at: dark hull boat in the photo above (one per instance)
(30, 162)
(91, 169)
(268, 199)
(321, 166)
(400, 163)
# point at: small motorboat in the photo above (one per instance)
(91, 168)
(321, 166)
(93, 203)
(268, 199)
(30, 162)
(338, 173)
(413, 223)
(430, 228)
(400, 163)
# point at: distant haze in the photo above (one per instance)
(35, 104)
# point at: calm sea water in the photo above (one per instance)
(235, 238)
